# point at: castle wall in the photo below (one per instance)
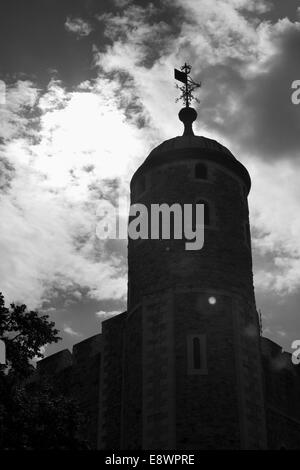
(159, 391)
(132, 394)
(86, 383)
(282, 393)
(77, 375)
(110, 398)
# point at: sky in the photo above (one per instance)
(87, 92)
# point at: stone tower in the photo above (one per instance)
(181, 369)
(192, 372)
(185, 367)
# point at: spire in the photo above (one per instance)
(187, 115)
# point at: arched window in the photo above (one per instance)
(201, 171)
(196, 354)
(206, 211)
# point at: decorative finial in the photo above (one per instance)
(187, 115)
(189, 86)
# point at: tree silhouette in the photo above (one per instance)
(24, 333)
(34, 414)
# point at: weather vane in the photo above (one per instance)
(188, 86)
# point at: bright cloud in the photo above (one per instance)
(83, 151)
(274, 202)
(103, 314)
(78, 26)
(70, 331)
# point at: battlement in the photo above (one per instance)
(81, 352)
(87, 348)
(55, 363)
(277, 358)
(77, 375)
(282, 386)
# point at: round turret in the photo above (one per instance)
(193, 170)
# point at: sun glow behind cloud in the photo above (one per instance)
(81, 150)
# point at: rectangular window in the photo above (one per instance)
(196, 354)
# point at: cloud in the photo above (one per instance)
(281, 333)
(263, 119)
(103, 315)
(247, 66)
(19, 98)
(122, 3)
(274, 215)
(49, 310)
(78, 26)
(53, 179)
(71, 332)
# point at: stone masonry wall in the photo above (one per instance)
(224, 261)
(282, 392)
(132, 419)
(78, 375)
(207, 412)
(110, 398)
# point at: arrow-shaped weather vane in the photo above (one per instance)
(189, 86)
